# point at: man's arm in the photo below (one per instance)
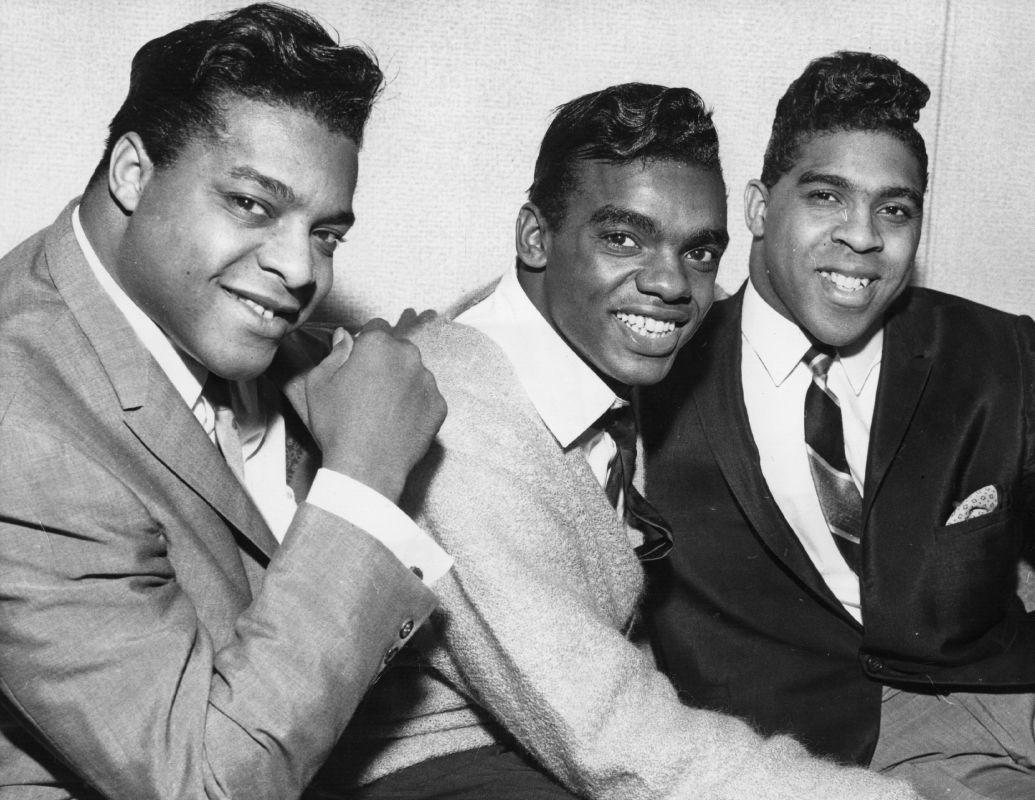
(137, 658)
(533, 624)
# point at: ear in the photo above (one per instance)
(756, 203)
(129, 170)
(531, 236)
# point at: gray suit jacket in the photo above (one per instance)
(157, 641)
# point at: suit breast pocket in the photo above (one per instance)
(973, 575)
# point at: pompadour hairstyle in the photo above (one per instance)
(846, 91)
(179, 82)
(620, 124)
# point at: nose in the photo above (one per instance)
(858, 231)
(665, 276)
(288, 254)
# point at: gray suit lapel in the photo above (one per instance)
(152, 409)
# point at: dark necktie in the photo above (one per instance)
(620, 425)
(825, 441)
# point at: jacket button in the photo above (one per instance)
(874, 664)
(390, 653)
(406, 629)
(418, 572)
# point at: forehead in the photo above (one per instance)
(868, 159)
(664, 189)
(278, 141)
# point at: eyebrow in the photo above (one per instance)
(285, 193)
(884, 193)
(616, 215)
(271, 185)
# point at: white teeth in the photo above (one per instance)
(262, 311)
(845, 282)
(646, 326)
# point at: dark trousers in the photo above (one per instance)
(485, 773)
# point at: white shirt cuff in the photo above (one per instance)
(368, 509)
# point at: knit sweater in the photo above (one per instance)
(533, 639)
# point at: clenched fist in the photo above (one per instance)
(374, 408)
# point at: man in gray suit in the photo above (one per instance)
(186, 611)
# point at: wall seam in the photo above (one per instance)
(932, 166)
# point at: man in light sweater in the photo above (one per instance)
(538, 652)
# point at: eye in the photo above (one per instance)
(822, 196)
(897, 212)
(329, 240)
(247, 207)
(703, 255)
(618, 240)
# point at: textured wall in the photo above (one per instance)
(450, 148)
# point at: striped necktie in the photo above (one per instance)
(824, 439)
(620, 425)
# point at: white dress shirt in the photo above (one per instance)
(263, 443)
(775, 381)
(566, 393)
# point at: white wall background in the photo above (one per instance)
(450, 148)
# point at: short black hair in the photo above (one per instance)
(180, 82)
(846, 91)
(620, 124)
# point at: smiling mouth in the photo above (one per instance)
(845, 283)
(260, 310)
(646, 326)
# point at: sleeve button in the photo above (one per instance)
(406, 629)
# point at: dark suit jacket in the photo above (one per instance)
(744, 621)
(156, 640)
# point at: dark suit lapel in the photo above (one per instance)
(905, 367)
(151, 407)
(723, 417)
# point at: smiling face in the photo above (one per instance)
(836, 236)
(630, 273)
(229, 248)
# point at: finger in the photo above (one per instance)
(341, 349)
(375, 324)
(406, 318)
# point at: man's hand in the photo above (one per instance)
(374, 408)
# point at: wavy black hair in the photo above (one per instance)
(846, 91)
(180, 82)
(620, 124)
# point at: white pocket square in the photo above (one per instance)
(983, 501)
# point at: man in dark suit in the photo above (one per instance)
(848, 463)
(176, 621)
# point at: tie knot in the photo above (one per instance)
(620, 424)
(819, 359)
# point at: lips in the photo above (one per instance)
(645, 325)
(846, 283)
(265, 305)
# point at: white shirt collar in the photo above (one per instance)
(187, 376)
(567, 394)
(780, 344)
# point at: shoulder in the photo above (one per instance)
(947, 320)
(939, 306)
(470, 368)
